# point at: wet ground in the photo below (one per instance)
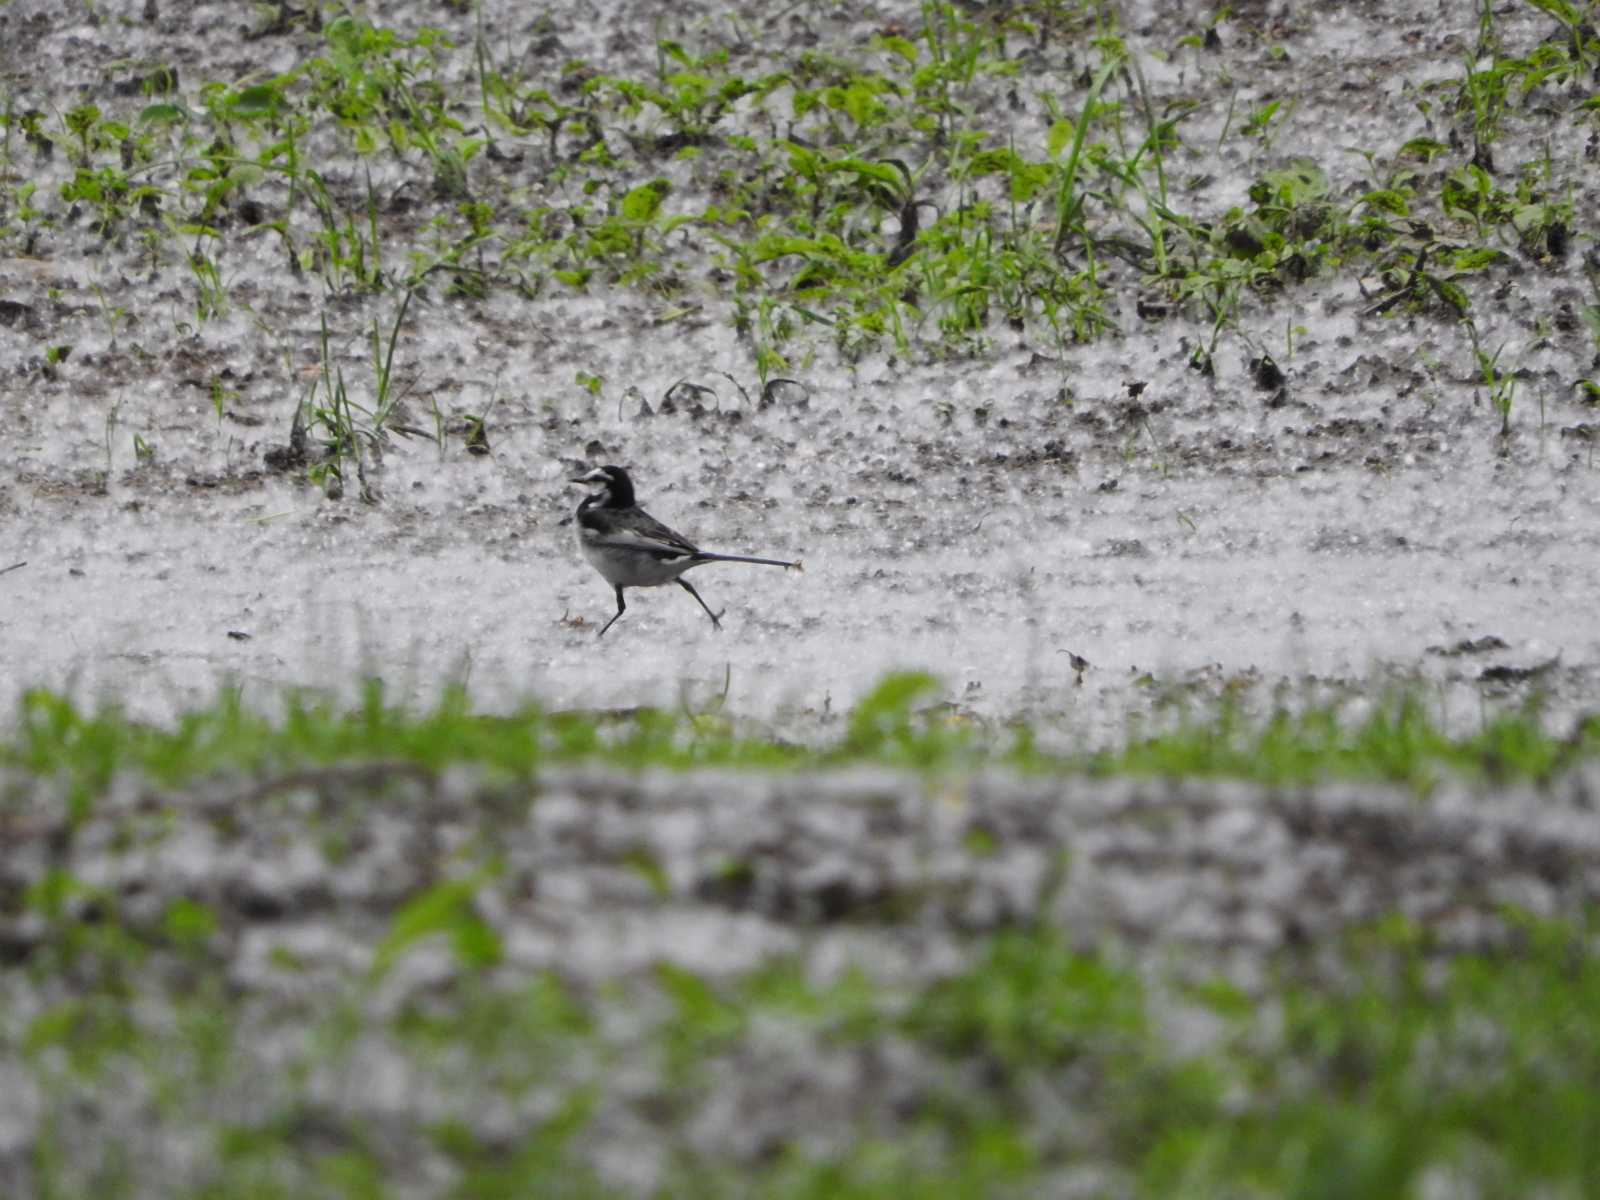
(945, 550)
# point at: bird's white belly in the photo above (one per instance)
(629, 568)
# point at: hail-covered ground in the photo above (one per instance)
(985, 516)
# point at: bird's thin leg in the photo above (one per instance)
(622, 607)
(689, 587)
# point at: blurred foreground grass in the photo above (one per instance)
(138, 1058)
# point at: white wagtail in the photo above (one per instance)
(633, 549)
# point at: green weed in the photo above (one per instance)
(867, 197)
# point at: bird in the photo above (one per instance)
(630, 548)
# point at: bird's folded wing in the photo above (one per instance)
(660, 541)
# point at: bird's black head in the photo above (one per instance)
(613, 488)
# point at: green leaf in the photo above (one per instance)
(864, 170)
(1452, 295)
(768, 248)
(644, 201)
(1061, 133)
(1029, 179)
(803, 160)
(1526, 217)
(163, 114)
(1560, 10)
(905, 48)
(445, 909)
(55, 1026)
(1424, 148)
(82, 119)
(884, 714)
(1299, 183)
(1388, 200)
(261, 100)
(1475, 258)
(991, 162)
(188, 923)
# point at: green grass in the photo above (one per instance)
(1478, 1071)
(1395, 739)
(1037, 1059)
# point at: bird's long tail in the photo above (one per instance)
(704, 556)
